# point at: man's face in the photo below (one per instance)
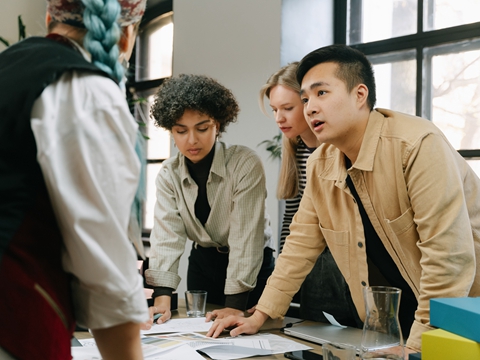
(331, 111)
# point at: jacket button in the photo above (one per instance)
(355, 201)
(364, 283)
(360, 244)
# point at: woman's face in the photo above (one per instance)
(288, 111)
(195, 134)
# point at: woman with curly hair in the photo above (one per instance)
(211, 193)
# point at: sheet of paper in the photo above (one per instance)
(85, 353)
(153, 348)
(279, 344)
(179, 325)
(332, 320)
(234, 348)
(179, 353)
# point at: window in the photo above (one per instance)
(152, 63)
(426, 58)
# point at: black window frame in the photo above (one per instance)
(441, 38)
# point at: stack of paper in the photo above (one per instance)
(174, 344)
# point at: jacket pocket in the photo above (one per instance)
(338, 243)
(405, 239)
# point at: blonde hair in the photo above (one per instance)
(288, 183)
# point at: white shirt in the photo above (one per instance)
(85, 138)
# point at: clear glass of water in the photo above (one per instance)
(195, 302)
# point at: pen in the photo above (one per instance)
(155, 317)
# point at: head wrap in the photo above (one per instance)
(71, 11)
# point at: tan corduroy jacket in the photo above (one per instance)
(423, 200)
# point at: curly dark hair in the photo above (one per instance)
(193, 92)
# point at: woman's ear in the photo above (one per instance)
(127, 40)
(48, 19)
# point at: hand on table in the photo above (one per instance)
(161, 306)
(222, 313)
(243, 325)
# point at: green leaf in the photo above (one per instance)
(21, 28)
(274, 146)
(4, 41)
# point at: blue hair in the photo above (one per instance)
(101, 40)
(103, 33)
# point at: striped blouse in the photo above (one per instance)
(291, 205)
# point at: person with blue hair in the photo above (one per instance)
(69, 185)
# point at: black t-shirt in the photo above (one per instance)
(380, 257)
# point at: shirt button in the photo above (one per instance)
(360, 244)
(364, 283)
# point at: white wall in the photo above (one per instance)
(238, 44)
(33, 17)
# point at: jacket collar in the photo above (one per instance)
(218, 163)
(366, 155)
(334, 160)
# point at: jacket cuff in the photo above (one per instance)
(415, 339)
(237, 301)
(161, 290)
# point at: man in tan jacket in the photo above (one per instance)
(393, 200)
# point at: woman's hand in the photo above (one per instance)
(242, 325)
(161, 306)
(222, 313)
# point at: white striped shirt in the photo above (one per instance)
(291, 205)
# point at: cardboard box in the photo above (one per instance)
(439, 344)
(460, 316)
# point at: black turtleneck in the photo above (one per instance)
(199, 172)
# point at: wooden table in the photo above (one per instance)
(271, 326)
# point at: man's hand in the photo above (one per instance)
(242, 325)
(222, 313)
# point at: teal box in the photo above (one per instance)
(460, 316)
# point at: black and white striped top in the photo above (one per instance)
(291, 205)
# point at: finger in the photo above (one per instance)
(219, 327)
(164, 318)
(210, 316)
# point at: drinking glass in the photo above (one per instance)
(195, 302)
(382, 336)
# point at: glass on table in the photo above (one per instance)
(195, 302)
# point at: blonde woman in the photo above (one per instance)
(324, 288)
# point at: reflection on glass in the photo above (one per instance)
(155, 49)
(456, 97)
(152, 171)
(395, 78)
(440, 14)
(381, 19)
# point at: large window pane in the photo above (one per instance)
(395, 77)
(455, 96)
(154, 49)
(152, 171)
(440, 14)
(380, 19)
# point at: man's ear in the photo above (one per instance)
(362, 94)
